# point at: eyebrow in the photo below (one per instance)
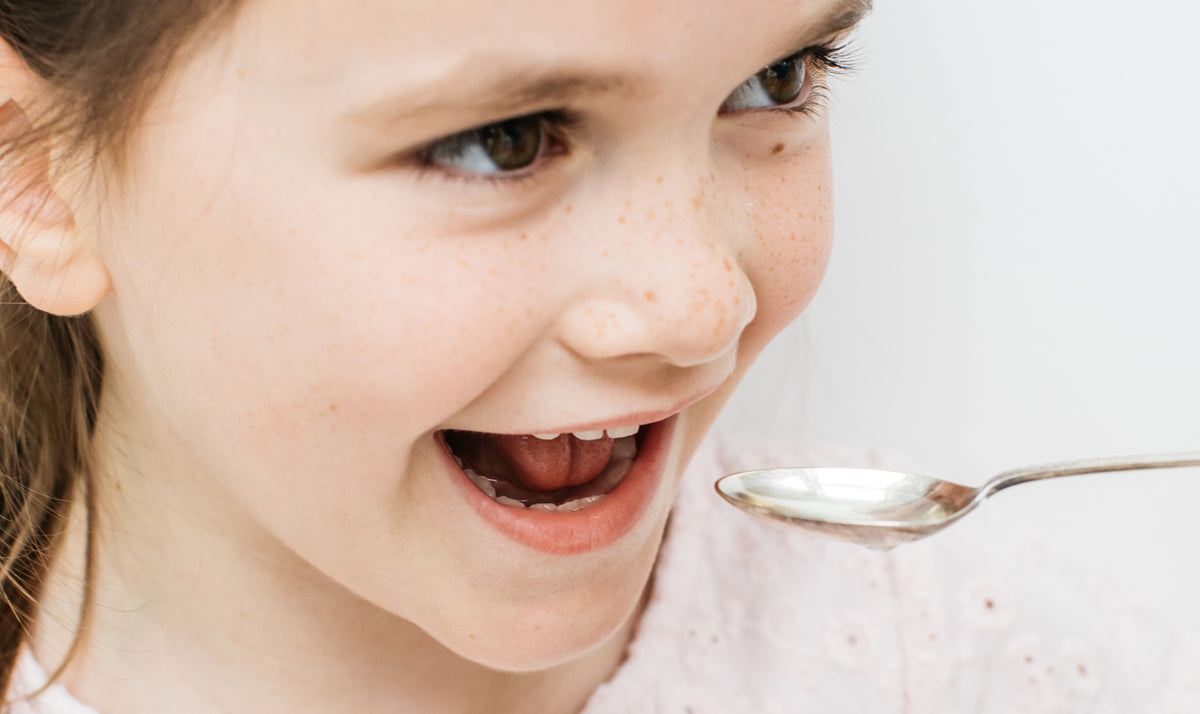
(515, 89)
(507, 92)
(842, 19)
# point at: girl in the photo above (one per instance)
(327, 252)
(355, 350)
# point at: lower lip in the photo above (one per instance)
(592, 528)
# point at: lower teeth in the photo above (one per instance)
(483, 483)
(589, 493)
(576, 504)
(600, 488)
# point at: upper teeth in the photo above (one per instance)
(614, 433)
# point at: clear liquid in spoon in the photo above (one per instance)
(848, 503)
(883, 509)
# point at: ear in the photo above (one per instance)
(54, 267)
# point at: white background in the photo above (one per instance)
(1015, 278)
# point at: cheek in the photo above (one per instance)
(785, 257)
(309, 301)
(792, 236)
(316, 321)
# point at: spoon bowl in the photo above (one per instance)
(883, 509)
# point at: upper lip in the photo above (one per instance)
(640, 418)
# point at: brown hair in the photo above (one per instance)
(100, 60)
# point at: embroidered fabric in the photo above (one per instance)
(750, 618)
(746, 617)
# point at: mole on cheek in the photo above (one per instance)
(777, 148)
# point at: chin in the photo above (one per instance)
(535, 632)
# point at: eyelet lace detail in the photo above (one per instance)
(746, 617)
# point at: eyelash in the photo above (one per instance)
(826, 60)
(821, 61)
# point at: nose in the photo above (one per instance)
(663, 277)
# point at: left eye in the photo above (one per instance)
(777, 85)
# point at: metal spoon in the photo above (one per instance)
(883, 509)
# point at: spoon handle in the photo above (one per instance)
(1086, 466)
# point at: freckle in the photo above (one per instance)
(697, 202)
(524, 236)
(650, 214)
(241, 74)
(777, 148)
(651, 297)
(659, 179)
(728, 266)
(570, 208)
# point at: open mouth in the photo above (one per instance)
(546, 472)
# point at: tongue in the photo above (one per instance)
(549, 464)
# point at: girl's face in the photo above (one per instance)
(353, 226)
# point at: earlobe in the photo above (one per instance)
(53, 266)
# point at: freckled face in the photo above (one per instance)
(311, 280)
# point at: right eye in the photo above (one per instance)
(504, 147)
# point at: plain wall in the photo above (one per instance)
(1015, 273)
